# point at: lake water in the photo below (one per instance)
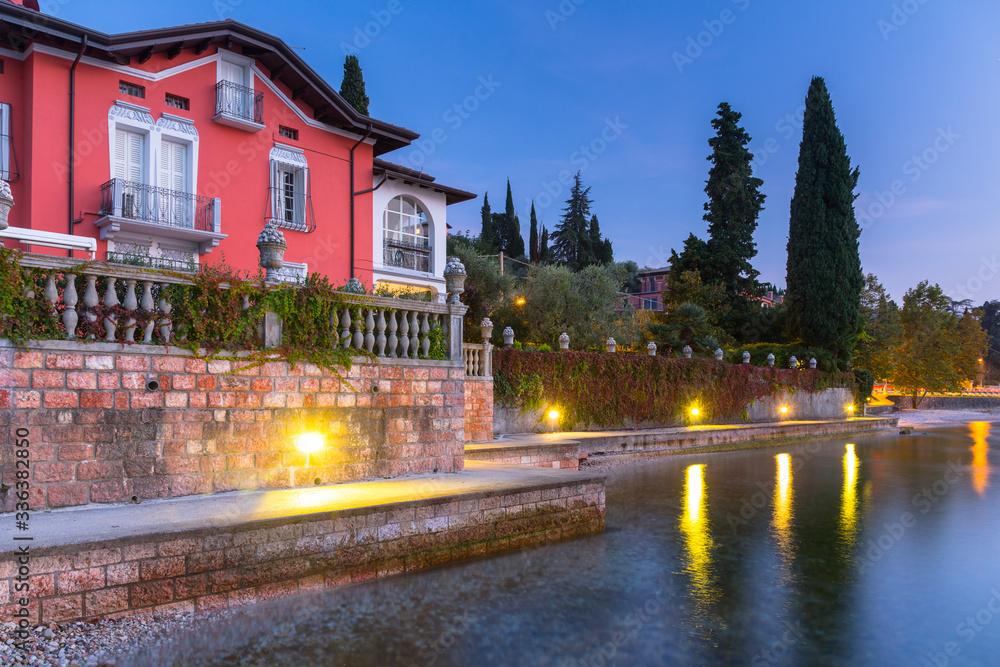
(884, 550)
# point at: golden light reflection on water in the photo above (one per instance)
(697, 538)
(783, 507)
(849, 498)
(980, 459)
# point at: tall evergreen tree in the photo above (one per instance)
(533, 236)
(824, 278)
(516, 246)
(607, 252)
(543, 246)
(596, 246)
(734, 202)
(513, 242)
(693, 257)
(488, 235)
(571, 239)
(352, 88)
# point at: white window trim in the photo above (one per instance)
(430, 237)
(294, 158)
(135, 118)
(236, 59)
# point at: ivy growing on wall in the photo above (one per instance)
(611, 390)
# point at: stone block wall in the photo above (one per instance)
(478, 409)
(97, 435)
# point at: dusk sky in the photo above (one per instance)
(914, 83)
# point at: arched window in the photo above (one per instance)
(407, 235)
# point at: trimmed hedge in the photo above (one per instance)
(612, 390)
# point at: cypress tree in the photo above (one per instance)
(513, 242)
(607, 253)
(516, 247)
(734, 202)
(543, 246)
(488, 235)
(352, 88)
(533, 236)
(824, 279)
(571, 239)
(596, 245)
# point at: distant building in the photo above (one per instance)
(770, 300)
(648, 297)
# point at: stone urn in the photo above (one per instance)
(686, 351)
(651, 349)
(454, 277)
(486, 329)
(812, 363)
(271, 244)
(611, 345)
(770, 360)
(746, 357)
(354, 286)
(719, 354)
(6, 203)
(564, 341)
(793, 363)
(508, 337)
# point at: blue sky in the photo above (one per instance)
(627, 91)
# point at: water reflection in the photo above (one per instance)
(783, 508)
(980, 461)
(849, 499)
(697, 537)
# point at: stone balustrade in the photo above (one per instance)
(478, 359)
(136, 309)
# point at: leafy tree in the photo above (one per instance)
(734, 202)
(631, 283)
(690, 289)
(533, 236)
(571, 239)
(939, 350)
(824, 276)
(485, 288)
(883, 332)
(991, 324)
(583, 304)
(352, 87)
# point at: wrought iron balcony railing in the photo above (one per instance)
(407, 253)
(238, 101)
(147, 203)
(290, 210)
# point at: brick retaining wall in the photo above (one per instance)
(98, 436)
(478, 409)
(220, 567)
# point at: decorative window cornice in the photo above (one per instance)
(169, 121)
(288, 155)
(131, 112)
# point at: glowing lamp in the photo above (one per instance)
(309, 443)
(519, 301)
(695, 412)
(850, 408)
(784, 410)
(553, 414)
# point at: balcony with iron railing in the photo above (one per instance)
(407, 251)
(137, 207)
(290, 210)
(239, 106)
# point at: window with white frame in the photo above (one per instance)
(8, 164)
(290, 203)
(407, 234)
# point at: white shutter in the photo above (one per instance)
(119, 166)
(233, 72)
(129, 149)
(173, 166)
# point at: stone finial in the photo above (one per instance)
(719, 354)
(486, 329)
(746, 357)
(454, 277)
(793, 363)
(611, 345)
(651, 349)
(770, 359)
(6, 203)
(271, 245)
(686, 351)
(564, 341)
(354, 286)
(508, 337)
(812, 363)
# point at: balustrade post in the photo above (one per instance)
(425, 338)
(369, 331)
(404, 337)
(392, 334)
(51, 293)
(380, 337)
(146, 303)
(345, 328)
(166, 326)
(110, 301)
(70, 298)
(130, 305)
(414, 336)
(358, 341)
(90, 301)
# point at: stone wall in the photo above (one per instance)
(210, 569)
(478, 409)
(97, 434)
(947, 402)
